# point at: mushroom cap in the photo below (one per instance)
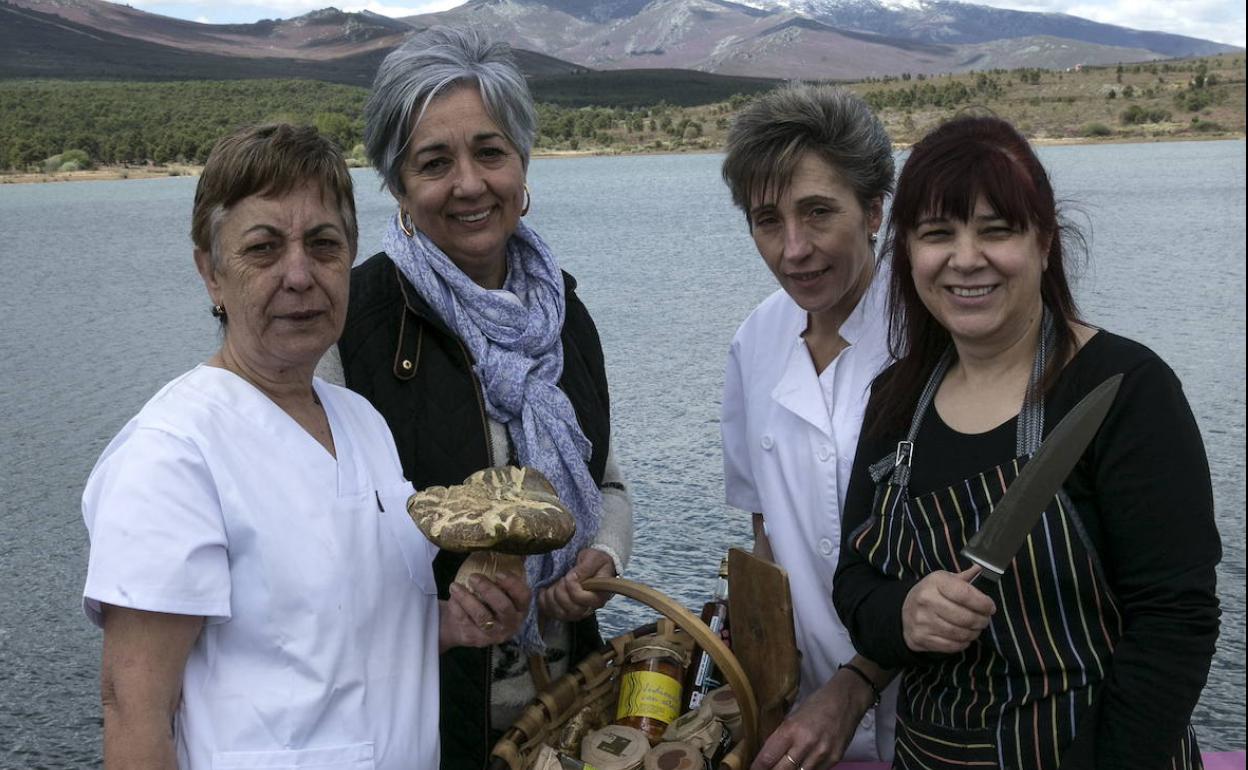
(506, 509)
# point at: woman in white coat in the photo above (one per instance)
(266, 600)
(810, 167)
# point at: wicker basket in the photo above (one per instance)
(588, 692)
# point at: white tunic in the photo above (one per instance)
(320, 642)
(789, 436)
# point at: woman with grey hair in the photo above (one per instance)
(471, 342)
(810, 167)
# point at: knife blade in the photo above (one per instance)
(996, 543)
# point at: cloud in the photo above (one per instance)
(1218, 20)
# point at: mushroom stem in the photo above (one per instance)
(490, 564)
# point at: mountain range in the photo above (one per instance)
(829, 39)
(812, 39)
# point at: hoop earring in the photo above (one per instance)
(528, 200)
(218, 310)
(407, 227)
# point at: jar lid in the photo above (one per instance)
(674, 756)
(723, 703)
(615, 747)
(648, 647)
(697, 727)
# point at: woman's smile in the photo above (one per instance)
(971, 292)
(809, 277)
(474, 220)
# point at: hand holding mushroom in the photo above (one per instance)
(499, 515)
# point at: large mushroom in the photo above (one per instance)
(500, 515)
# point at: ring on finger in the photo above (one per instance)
(796, 764)
(487, 625)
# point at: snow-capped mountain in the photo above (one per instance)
(811, 38)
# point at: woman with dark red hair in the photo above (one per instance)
(1093, 648)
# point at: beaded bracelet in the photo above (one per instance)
(874, 690)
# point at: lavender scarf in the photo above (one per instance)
(514, 337)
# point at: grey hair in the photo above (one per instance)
(770, 135)
(430, 63)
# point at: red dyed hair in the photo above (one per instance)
(946, 173)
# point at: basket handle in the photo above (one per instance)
(691, 624)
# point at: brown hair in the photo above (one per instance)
(947, 171)
(269, 160)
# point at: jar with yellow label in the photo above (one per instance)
(650, 686)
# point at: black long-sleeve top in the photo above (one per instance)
(1142, 490)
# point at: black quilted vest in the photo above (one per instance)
(400, 356)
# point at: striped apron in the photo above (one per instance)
(1014, 698)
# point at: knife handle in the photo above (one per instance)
(985, 578)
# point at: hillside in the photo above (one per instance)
(40, 45)
(167, 123)
(92, 40)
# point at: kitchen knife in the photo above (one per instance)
(994, 546)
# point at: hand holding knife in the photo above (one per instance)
(944, 612)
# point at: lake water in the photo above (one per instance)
(101, 306)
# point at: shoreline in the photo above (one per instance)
(118, 173)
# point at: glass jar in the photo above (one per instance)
(650, 686)
(674, 756)
(723, 704)
(703, 731)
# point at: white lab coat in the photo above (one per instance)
(320, 642)
(789, 437)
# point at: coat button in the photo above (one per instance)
(768, 442)
(824, 453)
(825, 546)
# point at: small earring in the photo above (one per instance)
(218, 310)
(407, 227)
(528, 200)
(872, 239)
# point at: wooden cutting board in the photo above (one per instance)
(760, 616)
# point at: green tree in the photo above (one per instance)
(338, 128)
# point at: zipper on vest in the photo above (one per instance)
(485, 421)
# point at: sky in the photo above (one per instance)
(1220, 20)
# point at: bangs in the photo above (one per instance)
(769, 173)
(269, 162)
(947, 185)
